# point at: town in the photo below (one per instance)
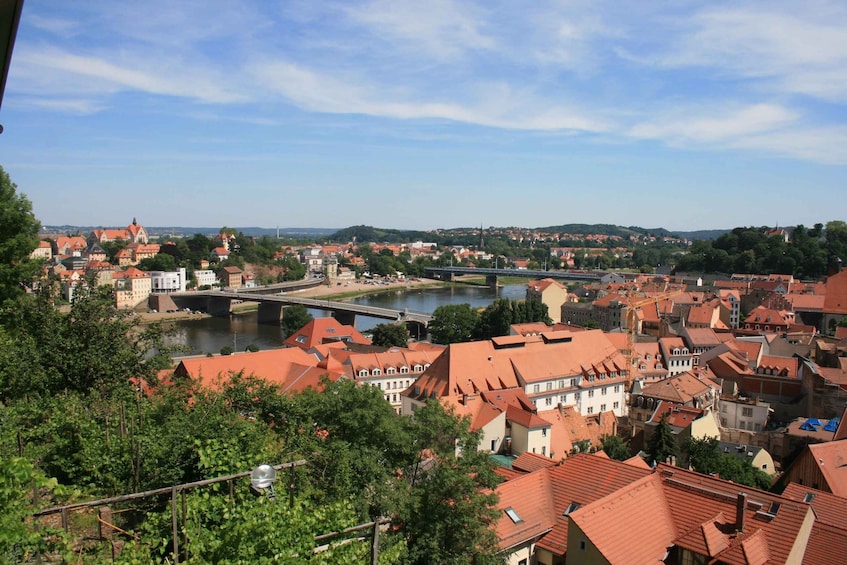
(624, 401)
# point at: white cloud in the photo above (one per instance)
(443, 28)
(686, 126)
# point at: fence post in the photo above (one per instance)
(375, 543)
(174, 524)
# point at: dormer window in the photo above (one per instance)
(418, 368)
(376, 372)
(390, 371)
(404, 370)
(363, 372)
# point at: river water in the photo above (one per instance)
(209, 335)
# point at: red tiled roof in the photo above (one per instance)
(829, 508)
(681, 388)
(831, 460)
(825, 543)
(322, 330)
(529, 462)
(836, 294)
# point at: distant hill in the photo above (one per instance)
(182, 231)
(594, 229)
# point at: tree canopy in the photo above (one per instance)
(390, 335)
(294, 317)
(18, 238)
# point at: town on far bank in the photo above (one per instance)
(657, 378)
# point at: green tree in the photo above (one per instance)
(453, 506)
(390, 335)
(18, 238)
(662, 444)
(495, 320)
(293, 318)
(453, 323)
(161, 262)
(615, 448)
(705, 456)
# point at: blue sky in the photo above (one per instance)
(419, 115)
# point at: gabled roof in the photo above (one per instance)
(323, 330)
(836, 294)
(829, 508)
(682, 388)
(529, 462)
(831, 459)
(542, 497)
(291, 369)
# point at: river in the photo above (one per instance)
(209, 335)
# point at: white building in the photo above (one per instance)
(205, 278)
(162, 281)
(744, 414)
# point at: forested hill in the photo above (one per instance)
(809, 254)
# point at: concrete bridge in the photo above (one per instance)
(447, 274)
(272, 307)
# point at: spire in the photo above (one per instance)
(134, 222)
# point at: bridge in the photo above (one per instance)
(272, 307)
(447, 274)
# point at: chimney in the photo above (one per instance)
(739, 511)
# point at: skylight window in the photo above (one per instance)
(510, 512)
(571, 508)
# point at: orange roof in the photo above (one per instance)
(825, 542)
(323, 330)
(831, 460)
(681, 388)
(677, 415)
(529, 462)
(836, 294)
(631, 525)
(829, 508)
(291, 369)
(541, 498)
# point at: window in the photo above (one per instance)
(573, 382)
(617, 388)
(562, 384)
(591, 393)
(536, 388)
(604, 390)
(510, 512)
(418, 368)
(363, 373)
(602, 408)
(377, 372)
(393, 398)
(404, 370)
(548, 401)
(563, 399)
(543, 432)
(747, 412)
(616, 405)
(390, 371)
(549, 386)
(571, 507)
(543, 450)
(591, 410)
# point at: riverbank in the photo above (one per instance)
(327, 291)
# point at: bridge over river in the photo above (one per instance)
(272, 307)
(447, 274)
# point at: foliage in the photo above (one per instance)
(453, 323)
(20, 537)
(615, 448)
(453, 505)
(161, 262)
(390, 335)
(495, 320)
(662, 444)
(252, 348)
(810, 253)
(18, 238)
(227, 350)
(705, 456)
(293, 318)
(95, 346)
(293, 269)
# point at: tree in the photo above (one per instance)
(495, 320)
(453, 507)
(615, 448)
(293, 318)
(453, 323)
(161, 262)
(390, 335)
(226, 350)
(705, 456)
(18, 238)
(662, 444)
